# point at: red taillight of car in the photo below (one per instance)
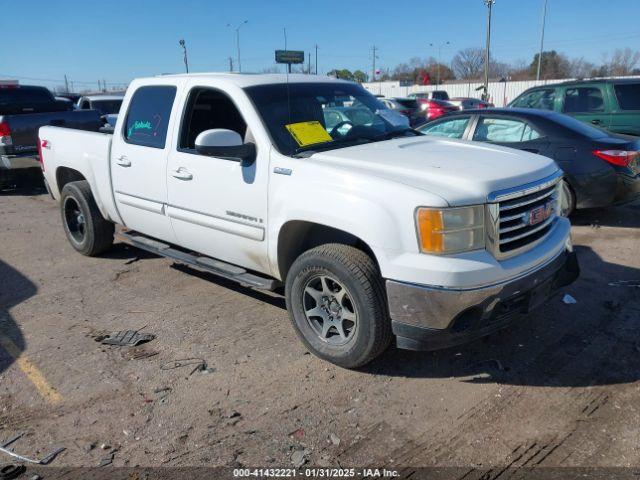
(5, 134)
(620, 158)
(42, 144)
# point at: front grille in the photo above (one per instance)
(519, 219)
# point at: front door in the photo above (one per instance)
(217, 206)
(139, 162)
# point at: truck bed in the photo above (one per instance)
(24, 127)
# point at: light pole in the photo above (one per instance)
(439, 55)
(237, 29)
(184, 47)
(544, 19)
(487, 56)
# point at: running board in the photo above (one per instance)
(207, 264)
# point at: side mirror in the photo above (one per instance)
(223, 143)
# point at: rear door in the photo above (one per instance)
(509, 132)
(139, 161)
(588, 104)
(625, 117)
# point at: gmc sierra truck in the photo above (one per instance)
(23, 110)
(375, 231)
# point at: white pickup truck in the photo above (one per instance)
(374, 230)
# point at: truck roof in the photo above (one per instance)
(252, 79)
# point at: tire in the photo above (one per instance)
(337, 305)
(86, 229)
(569, 200)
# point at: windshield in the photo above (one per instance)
(106, 107)
(323, 116)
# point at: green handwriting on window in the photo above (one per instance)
(139, 125)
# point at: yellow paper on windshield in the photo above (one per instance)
(308, 133)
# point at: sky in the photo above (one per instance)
(117, 40)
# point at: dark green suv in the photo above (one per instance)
(611, 104)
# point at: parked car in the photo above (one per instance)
(376, 232)
(433, 95)
(24, 109)
(467, 103)
(107, 104)
(432, 109)
(407, 107)
(613, 104)
(600, 168)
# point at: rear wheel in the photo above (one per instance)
(87, 230)
(337, 305)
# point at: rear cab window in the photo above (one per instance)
(628, 95)
(147, 119)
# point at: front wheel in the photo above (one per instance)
(87, 230)
(336, 301)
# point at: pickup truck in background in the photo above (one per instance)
(374, 230)
(108, 104)
(23, 110)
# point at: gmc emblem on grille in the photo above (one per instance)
(541, 213)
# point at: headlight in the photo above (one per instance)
(450, 230)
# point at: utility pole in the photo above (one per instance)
(487, 53)
(104, 85)
(66, 83)
(231, 64)
(544, 19)
(309, 64)
(439, 56)
(184, 47)
(373, 76)
(237, 29)
(316, 59)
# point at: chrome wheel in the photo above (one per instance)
(329, 310)
(75, 219)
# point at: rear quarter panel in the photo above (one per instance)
(85, 152)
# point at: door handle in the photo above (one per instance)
(182, 173)
(123, 161)
(596, 122)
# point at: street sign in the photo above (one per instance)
(289, 56)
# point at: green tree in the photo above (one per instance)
(553, 65)
(360, 77)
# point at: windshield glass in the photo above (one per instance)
(322, 116)
(106, 107)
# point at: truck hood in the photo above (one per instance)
(460, 172)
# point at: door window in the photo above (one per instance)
(583, 100)
(504, 130)
(628, 95)
(542, 99)
(148, 116)
(208, 109)
(453, 128)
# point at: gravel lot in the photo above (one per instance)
(559, 389)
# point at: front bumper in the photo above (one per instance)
(430, 318)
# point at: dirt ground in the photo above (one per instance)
(558, 389)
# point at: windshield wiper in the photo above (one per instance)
(302, 152)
